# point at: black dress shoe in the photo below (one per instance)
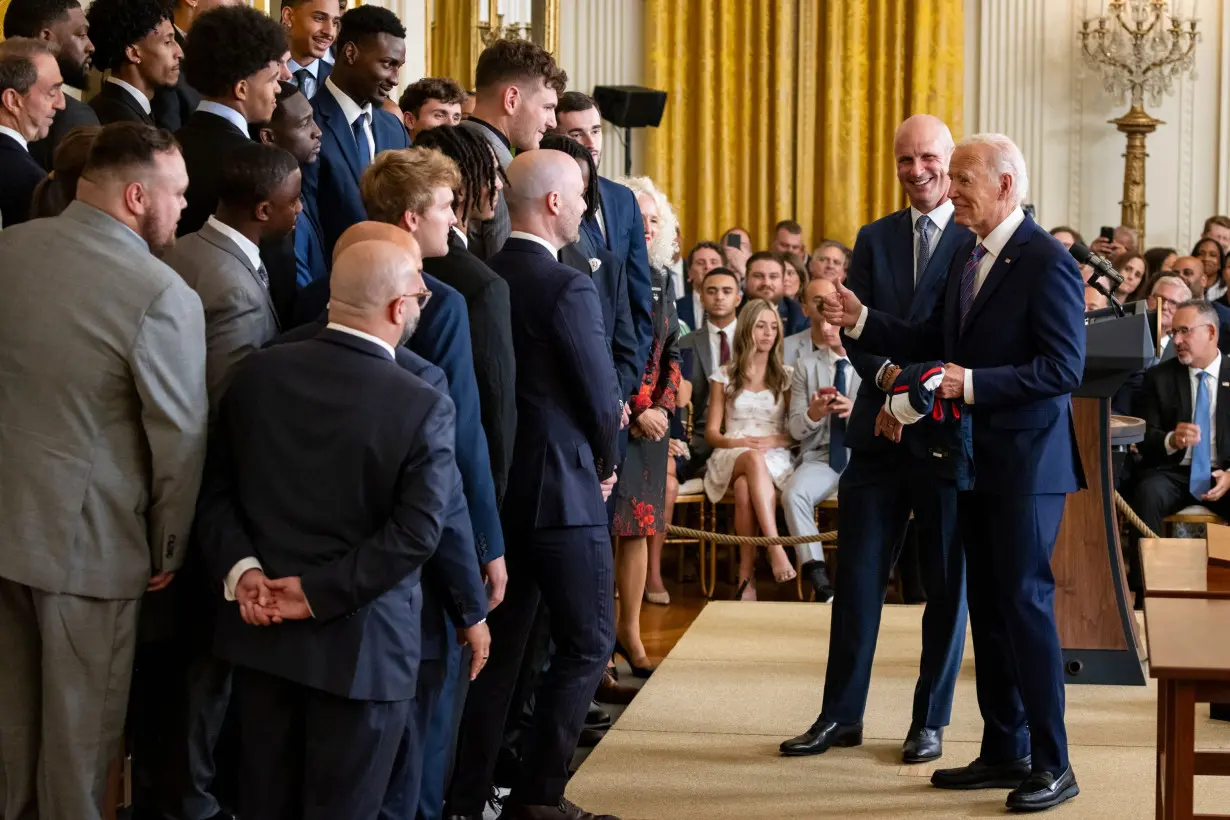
(823, 735)
(463, 817)
(816, 575)
(979, 775)
(566, 810)
(597, 717)
(922, 744)
(1043, 790)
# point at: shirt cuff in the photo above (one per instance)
(237, 571)
(1169, 442)
(969, 387)
(857, 330)
(880, 373)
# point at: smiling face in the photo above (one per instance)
(432, 113)
(312, 28)
(923, 147)
(1191, 271)
(530, 107)
(764, 280)
(982, 196)
(373, 67)
(649, 216)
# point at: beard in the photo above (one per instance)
(408, 331)
(74, 74)
(159, 238)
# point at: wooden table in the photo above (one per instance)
(1191, 660)
(1179, 568)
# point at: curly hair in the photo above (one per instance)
(443, 89)
(117, 24)
(516, 60)
(26, 18)
(403, 180)
(229, 44)
(251, 174)
(474, 157)
(574, 149)
(663, 248)
(362, 22)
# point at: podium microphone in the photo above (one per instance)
(1088, 257)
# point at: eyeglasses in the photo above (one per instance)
(1176, 332)
(423, 297)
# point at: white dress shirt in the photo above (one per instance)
(16, 135)
(460, 234)
(1214, 371)
(698, 309)
(141, 99)
(715, 344)
(225, 112)
(536, 238)
(352, 111)
(249, 250)
(310, 82)
(940, 216)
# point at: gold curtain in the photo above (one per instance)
(451, 52)
(4, 6)
(786, 108)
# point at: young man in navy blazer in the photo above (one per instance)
(1011, 329)
(900, 266)
(311, 28)
(354, 128)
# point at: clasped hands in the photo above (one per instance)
(1187, 435)
(264, 601)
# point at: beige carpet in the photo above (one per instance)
(700, 741)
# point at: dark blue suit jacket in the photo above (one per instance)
(1024, 340)
(612, 283)
(331, 463)
(793, 319)
(335, 186)
(882, 276)
(683, 307)
(625, 238)
(568, 410)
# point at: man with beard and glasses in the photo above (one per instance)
(104, 461)
(135, 42)
(63, 25)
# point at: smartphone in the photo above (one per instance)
(734, 241)
(1108, 233)
(829, 393)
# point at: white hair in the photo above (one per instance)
(1185, 293)
(662, 251)
(1007, 159)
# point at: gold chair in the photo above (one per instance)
(686, 504)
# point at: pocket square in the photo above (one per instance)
(594, 264)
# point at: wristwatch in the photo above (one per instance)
(888, 377)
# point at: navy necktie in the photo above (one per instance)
(1202, 453)
(923, 228)
(837, 426)
(968, 276)
(360, 138)
(301, 78)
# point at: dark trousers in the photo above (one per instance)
(1008, 544)
(873, 522)
(570, 570)
(1159, 492)
(311, 755)
(407, 780)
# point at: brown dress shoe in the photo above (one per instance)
(566, 810)
(609, 691)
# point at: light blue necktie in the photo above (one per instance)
(1202, 454)
(923, 228)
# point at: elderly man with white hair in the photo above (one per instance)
(1011, 332)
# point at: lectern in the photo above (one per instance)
(1093, 607)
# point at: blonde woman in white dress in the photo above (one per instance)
(746, 427)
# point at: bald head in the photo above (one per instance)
(546, 195)
(372, 288)
(375, 231)
(1191, 271)
(813, 297)
(923, 146)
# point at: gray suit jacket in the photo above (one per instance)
(239, 314)
(702, 370)
(811, 372)
(102, 410)
(486, 238)
(795, 346)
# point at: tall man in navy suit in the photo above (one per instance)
(311, 27)
(1011, 329)
(321, 546)
(616, 224)
(568, 411)
(354, 128)
(900, 267)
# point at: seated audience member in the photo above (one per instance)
(766, 273)
(295, 261)
(746, 427)
(134, 40)
(1159, 261)
(788, 239)
(342, 529)
(53, 194)
(1067, 236)
(737, 243)
(1167, 293)
(1191, 270)
(830, 260)
(258, 201)
(820, 402)
(1131, 266)
(430, 102)
(1124, 241)
(1215, 227)
(1185, 402)
(704, 257)
(1094, 298)
(710, 348)
(355, 129)
(30, 96)
(63, 25)
(1210, 254)
(311, 27)
(794, 280)
(234, 57)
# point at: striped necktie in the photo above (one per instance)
(969, 275)
(923, 228)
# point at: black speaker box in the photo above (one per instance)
(630, 106)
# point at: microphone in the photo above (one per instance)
(1088, 257)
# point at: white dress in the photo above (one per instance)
(750, 413)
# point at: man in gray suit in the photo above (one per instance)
(102, 354)
(258, 200)
(820, 403)
(517, 87)
(709, 347)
